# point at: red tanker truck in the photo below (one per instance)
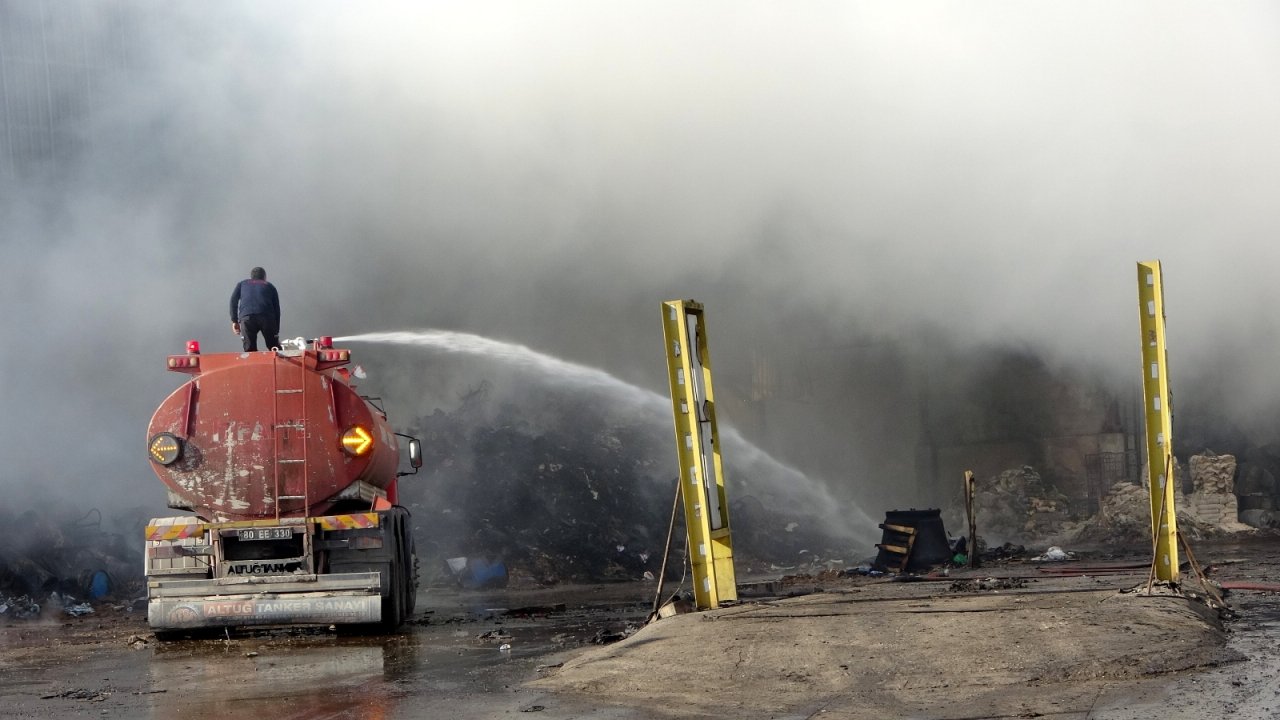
(291, 476)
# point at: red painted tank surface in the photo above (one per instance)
(260, 435)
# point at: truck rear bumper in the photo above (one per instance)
(272, 600)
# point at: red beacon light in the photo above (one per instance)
(325, 342)
(189, 362)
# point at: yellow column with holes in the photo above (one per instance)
(706, 510)
(1159, 420)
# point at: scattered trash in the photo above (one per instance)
(78, 694)
(987, 585)
(68, 555)
(78, 610)
(1054, 554)
(494, 635)
(648, 575)
(68, 604)
(477, 573)
(535, 610)
(675, 607)
(19, 608)
(137, 642)
(534, 708)
(604, 637)
(1007, 551)
(504, 647)
(251, 653)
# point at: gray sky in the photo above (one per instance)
(548, 173)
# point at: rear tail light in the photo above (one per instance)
(334, 355)
(184, 361)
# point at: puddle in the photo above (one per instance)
(441, 661)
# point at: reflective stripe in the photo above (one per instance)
(195, 528)
(348, 522)
(174, 532)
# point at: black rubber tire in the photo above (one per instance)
(410, 585)
(393, 605)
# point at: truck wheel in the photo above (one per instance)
(410, 557)
(411, 576)
(393, 604)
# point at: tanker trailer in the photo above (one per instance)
(291, 476)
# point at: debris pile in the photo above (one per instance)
(57, 564)
(1019, 506)
(1124, 515)
(1208, 510)
(1212, 501)
(572, 491)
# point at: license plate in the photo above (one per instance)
(270, 533)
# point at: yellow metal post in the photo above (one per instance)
(1159, 416)
(706, 510)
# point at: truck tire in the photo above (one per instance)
(411, 572)
(390, 560)
(393, 604)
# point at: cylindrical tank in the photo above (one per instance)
(260, 435)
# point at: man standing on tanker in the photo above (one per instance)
(255, 308)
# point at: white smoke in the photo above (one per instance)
(823, 176)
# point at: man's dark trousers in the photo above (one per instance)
(251, 325)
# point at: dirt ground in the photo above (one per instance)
(877, 652)
(1034, 644)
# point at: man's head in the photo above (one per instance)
(258, 274)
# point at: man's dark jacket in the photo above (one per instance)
(255, 297)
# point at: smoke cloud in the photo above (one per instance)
(854, 190)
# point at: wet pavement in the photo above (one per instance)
(1247, 689)
(469, 655)
(463, 656)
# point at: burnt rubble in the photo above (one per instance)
(1020, 506)
(52, 563)
(575, 494)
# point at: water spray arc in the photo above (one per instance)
(785, 481)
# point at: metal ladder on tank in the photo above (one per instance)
(289, 404)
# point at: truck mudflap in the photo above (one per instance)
(343, 599)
